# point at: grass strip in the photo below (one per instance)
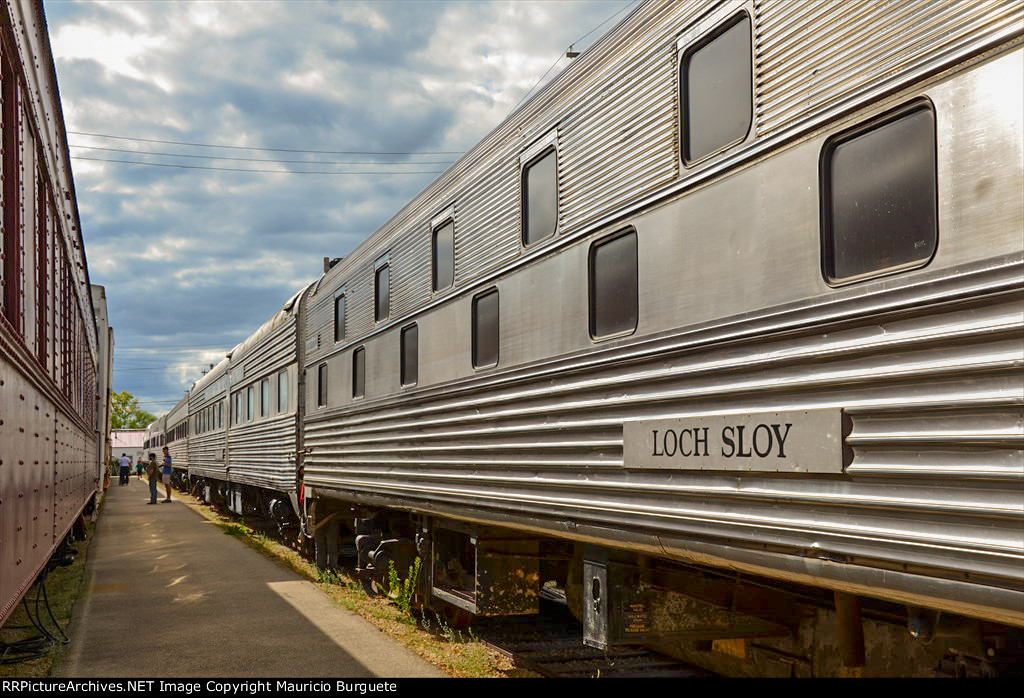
(64, 586)
(457, 653)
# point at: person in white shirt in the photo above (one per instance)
(126, 466)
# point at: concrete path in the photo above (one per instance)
(170, 595)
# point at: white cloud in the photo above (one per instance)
(200, 257)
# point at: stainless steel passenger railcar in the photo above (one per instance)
(728, 316)
(723, 216)
(48, 347)
(244, 421)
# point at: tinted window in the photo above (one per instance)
(613, 286)
(238, 408)
(444, 255)
(410, 355)
(321, 385)
(879, 208)
(282, 392)
(485, 329)
(383, 293)
(339, 318)
(359, 372)
(249, 404)
(264, 397)
(540, 194)
(716, 89)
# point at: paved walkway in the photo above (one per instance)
(170, 595)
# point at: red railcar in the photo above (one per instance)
(48, 345)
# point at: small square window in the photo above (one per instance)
(485, 329)
(879, 199)
(383, 293)
(321, 385)
(339, 318)
(444, 255)
(540, 198)
(716, 88)
(359, 372)
(410, 355)
(613, 286)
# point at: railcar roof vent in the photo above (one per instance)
(329, 263)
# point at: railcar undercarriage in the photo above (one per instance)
(724, 621)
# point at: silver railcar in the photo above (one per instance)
(244, 421)
(722, 216)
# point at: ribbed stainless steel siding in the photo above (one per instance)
(261, 453)
(411, 278)
(487, 218)
(620, 142)
(276, 350)
(811, 54)
(359, 305)
(935, 483)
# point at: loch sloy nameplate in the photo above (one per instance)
(801, 441)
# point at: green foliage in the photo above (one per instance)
(404, 591)
(125, 412)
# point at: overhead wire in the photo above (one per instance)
(273, 160)
(238, 169)
(272, 150)
(565, 50)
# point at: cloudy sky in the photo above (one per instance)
(195, 259)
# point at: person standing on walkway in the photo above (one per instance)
(139, 467)
(153, 473)
(126, 465)
(167, 473)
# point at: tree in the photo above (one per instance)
(125, 412)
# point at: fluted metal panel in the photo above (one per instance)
(260, 452)
(411, 271)
(359, 306)
(935, 482)
(621, 143)
(811, 55)
(487, 218)
(263, 453)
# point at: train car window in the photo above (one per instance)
(485, 329)
(879, 196)
(339, 318)
(383, 293)
(444, 255)
(540, 198)
(716, 78)
(282, 392)
(250, 406)
(10, 295)
(264, 397)
(321, 385)
(410, 369)
(613, 286)
(238, 408)
(359, 372)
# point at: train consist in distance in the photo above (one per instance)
(720, 334)
(51, 413)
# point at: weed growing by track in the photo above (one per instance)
(454, 652)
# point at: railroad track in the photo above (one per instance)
(551, 644)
